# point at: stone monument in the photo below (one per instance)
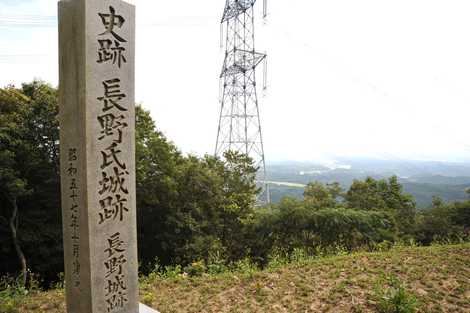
(97, 117)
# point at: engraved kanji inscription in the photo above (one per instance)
(74, 223)
(114, 183)
(111, 156)
(112, 95)
(110, 21)
(115, 287)
(112, 208)
(112, 126)
(111, 49)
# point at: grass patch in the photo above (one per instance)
(412, 279)
(392, 296)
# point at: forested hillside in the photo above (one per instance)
(422, 179)
(194, 210)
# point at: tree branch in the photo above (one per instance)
(16, 243)
(3, 219)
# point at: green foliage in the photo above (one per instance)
(196, 269)
(29, 179)
(384, 195)
(12, 293)
(216, 263)
(384, 246)
(298, 226)
(293, 225)
(153, 273)
(443, 223)
(172, 272)
(60, 284)
(148, 298)
(461, 215)
(391, 296)
(276, 259)
(299, 256)
(189, 207)
(245, 267)
(197, 213)
(158, 272)
(319, 196)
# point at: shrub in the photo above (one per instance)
(391, 296)
(11, 294)
(216, 264)
(384, 246)
(300, 256)
(60, 284)
(245, 267)
(172, 272)
(148, 298)
(195, 268)
(154, 272)
(277, 259)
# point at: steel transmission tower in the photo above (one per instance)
(239, 124)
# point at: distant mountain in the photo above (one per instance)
(422, 179)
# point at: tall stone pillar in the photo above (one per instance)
(97, 114)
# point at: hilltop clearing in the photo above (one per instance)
(437, 277)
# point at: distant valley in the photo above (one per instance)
(422, 179)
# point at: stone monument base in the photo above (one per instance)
(145, 309)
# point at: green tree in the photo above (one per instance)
(461, 215)
(29, 178)
(239, 199)
(366, 195)
(437, 202)
(384, 195)
(188, 206)
(292, 224)
(320, 196)
(157, 162)
(401, 205)
(14, 151)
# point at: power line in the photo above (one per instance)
(23, 58)
(52, 21)
(28, 21)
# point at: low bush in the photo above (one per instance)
(196, 269)
(391, 296)
(12, 294)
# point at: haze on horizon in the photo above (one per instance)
(370, 78)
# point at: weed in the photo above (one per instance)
(196, 269)
(216, 269)
(246, 267)
(324, 284)
(154, 274)
(216, 263)
(12, 294)
(172, 272)
(60, 284)
(384, 246)
(277, 259)
(392, 297)
(148, 298)
(299, 256)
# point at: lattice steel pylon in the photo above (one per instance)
(239, 123)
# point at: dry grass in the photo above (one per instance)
(439, 276)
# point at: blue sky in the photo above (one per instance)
(351, 78)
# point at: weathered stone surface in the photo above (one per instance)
(97, 40)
